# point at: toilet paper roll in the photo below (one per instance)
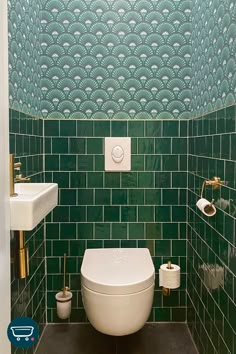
(206, 207)
(63, 304)
(169, 278)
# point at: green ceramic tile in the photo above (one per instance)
(77, 145)
(170, 163)
(102, 128)
(62, 178)
(146, 213)
(153, 231)
(179, 145)
(67, 197)
(128, 243)
(61, 213)
(51, 127)
(84, 128)
(137, 163)
(85, 196)
(67, 231)
(102, 230)
(179, 213)
(52, 162)
(153, 163)
(179, 248)
(78, 214)
(135, 128)
(119, 196)
(178, 314)
(94, 213)
(118, 129)
(170, 230)
(153, 128)
(162, 213)
(136, 197)
(94, 244)
(129, 179)
(162, 179)
(85, 230)
(95, 146)
(111, 213)
(145, 179)
(67, 127)
(95, 179)
(78, 179)
(52, 231)
(134, 146)
(119, 231)
(162, 248)
(170, 196)
(179, 179)
(112, 180)
(67, 163)
(170, 128)
(103, 196)
(162, 314)
(60, 247)
(136, 230)
(85, 162)
(99, 162)
(77, 248)
(163, 146)
(145, 146)
(111, 243)
(128, 213)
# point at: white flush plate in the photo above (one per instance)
(117, 154)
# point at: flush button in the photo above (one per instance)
(117, 153)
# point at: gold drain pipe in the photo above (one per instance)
(21, 256)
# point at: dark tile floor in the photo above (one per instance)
(156, 338)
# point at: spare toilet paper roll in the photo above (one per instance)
(206, 207)
(169, 278)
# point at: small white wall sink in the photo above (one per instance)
(33, 202)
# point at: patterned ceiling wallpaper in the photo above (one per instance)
(213, 55)
(24, 55)
(121, 58)
(116, 59)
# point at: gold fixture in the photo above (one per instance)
(15, 166)
(215, 182)
(65, 288)
(166, 291)
(21, 256)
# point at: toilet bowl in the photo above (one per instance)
(117, 288)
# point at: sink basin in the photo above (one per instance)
(33, 202)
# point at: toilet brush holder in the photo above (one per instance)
(63, 304)
(64, 298)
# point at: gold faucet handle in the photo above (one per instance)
(17, 165)
(20, 178)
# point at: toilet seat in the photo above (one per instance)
(117, 271)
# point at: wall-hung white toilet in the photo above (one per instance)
(117, 288)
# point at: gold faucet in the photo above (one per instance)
(15, 166)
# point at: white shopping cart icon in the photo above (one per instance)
(22, 332)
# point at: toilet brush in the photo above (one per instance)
(63, 298)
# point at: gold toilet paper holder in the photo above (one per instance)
(166, 291)
(215, 182)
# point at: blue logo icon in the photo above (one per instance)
(23, 332)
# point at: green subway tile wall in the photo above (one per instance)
(212, 241)
(28, 295)
(145, 207)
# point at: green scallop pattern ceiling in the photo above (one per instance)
(213, 55)
(116, 59)
(24, 55)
